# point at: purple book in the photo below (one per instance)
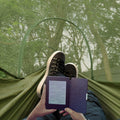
(62, 92)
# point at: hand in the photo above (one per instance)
(40, 109)
(74, 115)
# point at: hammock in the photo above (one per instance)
(18, 96)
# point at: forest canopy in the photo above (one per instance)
(29, 33)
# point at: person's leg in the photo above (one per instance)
(67, 117)
(70, 71)
(94, 110)
(47, 117)
(55, 67)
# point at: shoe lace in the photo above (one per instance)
(57, 66)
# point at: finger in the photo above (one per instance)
(51, 110)
(47, 111)
(62, 111)
(65, 114)
(75, 115)
(70, 111)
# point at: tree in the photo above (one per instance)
(97, 20)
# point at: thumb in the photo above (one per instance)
(70, 111)
(50, 110)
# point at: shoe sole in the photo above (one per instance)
(39, 88)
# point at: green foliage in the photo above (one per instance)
(98, 20)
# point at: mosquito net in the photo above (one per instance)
(86, 31)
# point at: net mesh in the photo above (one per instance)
(86, 31)
(26, 55)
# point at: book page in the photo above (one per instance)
(57, 92)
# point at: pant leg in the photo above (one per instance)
(94, 109)
(47, 117)
(67, 117)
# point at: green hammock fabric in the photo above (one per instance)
(18, 97)
(109, 96)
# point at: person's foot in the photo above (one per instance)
(55, 67)
(71, 70)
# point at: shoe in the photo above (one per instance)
(71, 70)
(55, 67)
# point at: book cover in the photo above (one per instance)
(78, 90)
(62, 92)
